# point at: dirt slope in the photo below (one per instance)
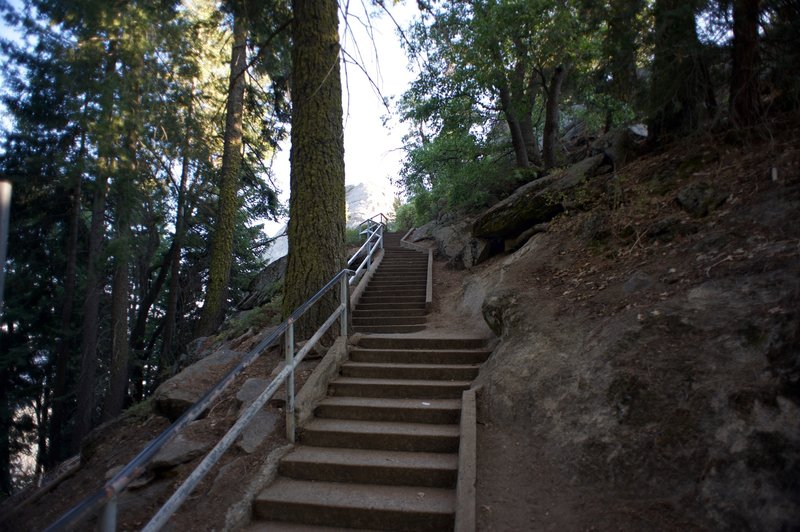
(648, 376)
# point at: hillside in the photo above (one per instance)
(647, 374)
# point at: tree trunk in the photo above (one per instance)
(95, 278)
(120, 295)
(125, 194)
(317, 203)
(62, 351)
(621, 48)
(678, 90)
(551, 116)
(744, 106)
(514, 126)
(166, 358)
(5, 424)
(216, 301)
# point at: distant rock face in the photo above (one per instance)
(364, 201)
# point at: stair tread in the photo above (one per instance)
(356, 426)
(281, 526)
(412, 499)
(372, 458)
(389, 365)
(386, 402)
(399, 382)
(445, 352)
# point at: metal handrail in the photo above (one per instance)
(107, 495)
(382, 220)
(374, 231)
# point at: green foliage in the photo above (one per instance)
(405, 217)
(87, 80)
(352, 237)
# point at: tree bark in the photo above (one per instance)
(95, 278)
(317, 203)
(216, 301)
(744, 104)
(514, 126)
(62, 351)
(5, 443)
(166, 358)
(679, 90)
(125, 193)
(551, 117)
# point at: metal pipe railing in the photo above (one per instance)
(374, 231)
(107, 495)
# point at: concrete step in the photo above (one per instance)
(366, 466)
(406, 290)
(399, 283)
(437, 411)
(420, 356)
(388, 313)
(400, 342)
(392, 299)
(415, 279)
(382, 329)
(390, 436)
(404, 388)
(278, 526)
(357, 505)
(389, 262)
(436, 372)
(385, 320)
(389, 306)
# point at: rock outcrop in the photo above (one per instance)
(534, 203)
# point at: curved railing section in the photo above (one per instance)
(373, 228)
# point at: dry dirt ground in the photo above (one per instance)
(648, 376)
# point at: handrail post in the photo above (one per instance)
(289, 348)
(345, 292)
(108, 521)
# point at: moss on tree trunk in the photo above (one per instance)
(222, 243)
(317, 203)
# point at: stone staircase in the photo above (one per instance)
(382, 449)
(394, 300)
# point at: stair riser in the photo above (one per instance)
(353, 518)
(398, 391)
(391, 299)
(438, 374)
(387, 329)
(394, 313)
(421, 343)
(401, 415)
(361, 474)
(400, 320)
(418, 357)
(390, 306)
(390, 442)
(398, 285)
(395, 292)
